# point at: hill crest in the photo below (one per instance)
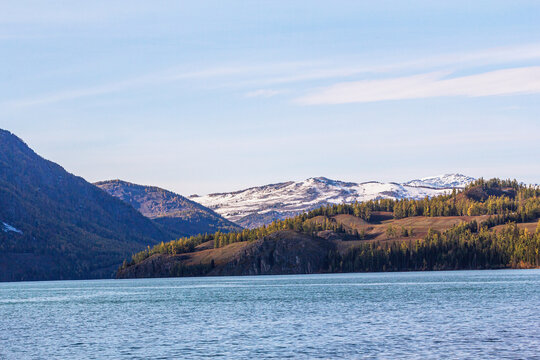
(66, 227)
(176, 213)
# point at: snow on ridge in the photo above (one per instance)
(290, 198)
(8, 228)
(442, 181)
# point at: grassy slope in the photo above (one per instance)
(530, 226)
(375, 231)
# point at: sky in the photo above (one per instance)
(215, 96)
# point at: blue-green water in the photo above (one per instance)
(462, 314)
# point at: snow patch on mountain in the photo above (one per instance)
(445, 181)
(7, 228)
(261, 205)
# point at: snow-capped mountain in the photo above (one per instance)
(442, 181)
(263, 204)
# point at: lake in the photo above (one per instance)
(459, 314)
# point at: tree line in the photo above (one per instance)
(465, 246)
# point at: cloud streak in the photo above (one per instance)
(264, 93)
(170, 75)
(319, 70)
(525, 80)
(252, 77)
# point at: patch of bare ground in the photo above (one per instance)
(530, 226)
(220, 255)
(419, 225)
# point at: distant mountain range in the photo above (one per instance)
(261, 205)
(175, 213)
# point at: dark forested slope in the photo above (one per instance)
(175, 213)
(54, 225)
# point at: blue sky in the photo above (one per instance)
(202, 97)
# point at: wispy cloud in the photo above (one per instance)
(55, 97)
(344, 68)
(264, 79)
(156, 78)
(265, 93)
(170, 75)
(525, 80)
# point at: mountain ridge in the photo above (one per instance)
(251, 207)
(176, 213)
(454, 180)
(66, 227)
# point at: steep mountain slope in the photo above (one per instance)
(261, 205)
(175, 213)
(58, 226)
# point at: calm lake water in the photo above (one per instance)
(461, 314)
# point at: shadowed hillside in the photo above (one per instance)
(175, 213)
(54, 225)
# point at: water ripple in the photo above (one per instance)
(437, 315)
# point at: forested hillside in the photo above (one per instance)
(175, 213)
(54, 225)
(489, 224)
